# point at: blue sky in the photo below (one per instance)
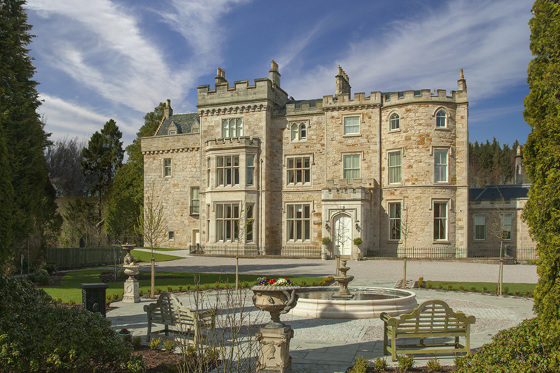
(101, 59)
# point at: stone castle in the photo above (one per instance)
(255, 172)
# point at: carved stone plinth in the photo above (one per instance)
(274, 355)
(131, 291)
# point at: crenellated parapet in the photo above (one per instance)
(264, 89)
(423, 96)
(303, 107)
(232, 143)
(345, 102)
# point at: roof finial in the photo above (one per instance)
(462, 76)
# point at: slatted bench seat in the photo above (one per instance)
(431, 319)
(169, 311)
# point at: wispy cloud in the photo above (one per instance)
(200, 23)
(427, 51)
(102, 47)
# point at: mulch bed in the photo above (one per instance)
(158, 360)
(412, 370)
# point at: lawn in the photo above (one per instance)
(144, 256)
(69, 289)
(512, 288)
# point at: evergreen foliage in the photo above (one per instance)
(127, 192)
(34, 220)
(64, 162)
(542, 160)
(491, 164)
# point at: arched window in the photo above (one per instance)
(295, 132)
(394, 122)
(441, 119)
(302, 131)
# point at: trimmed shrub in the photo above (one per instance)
(40, 277)
(449, 287)
(473, 289)
(521, 349)
(169, 346)
(38, 335)
(433, 365)
(421, 283)
(154, 343)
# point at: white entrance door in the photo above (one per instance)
(342, 235)
(196, 237)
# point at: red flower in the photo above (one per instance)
(272, 281)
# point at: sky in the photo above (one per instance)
(100, 60)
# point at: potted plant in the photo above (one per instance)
(275, 295)
(358, 241)
(325, 241)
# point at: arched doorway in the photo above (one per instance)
(342, 235)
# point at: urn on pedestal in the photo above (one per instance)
(131, 292)
(275, 336)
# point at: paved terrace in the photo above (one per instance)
(323, 345)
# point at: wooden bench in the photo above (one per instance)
(431, 319)
(169, 311)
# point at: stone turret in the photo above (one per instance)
(342, 83)
(462, 83)
(220, 76)
(274, 74)
(520, 175)
(167, 110)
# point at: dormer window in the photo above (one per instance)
(172, 129)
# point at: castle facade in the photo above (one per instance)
(256, 172)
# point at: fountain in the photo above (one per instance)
(361, 303)
(343, 281)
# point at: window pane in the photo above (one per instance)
(441, 119)
(294, 132)
(395, 122)
(303, 131)
(225, 128)
(440, 165)
(239, 127)
(351, 125)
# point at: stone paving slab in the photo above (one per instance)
(329, 345)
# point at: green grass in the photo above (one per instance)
(490, 286)
(144, 256)
(70, 289)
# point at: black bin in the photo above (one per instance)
(93, 297)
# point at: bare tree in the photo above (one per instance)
(64, 164)
(496, 229)
(153, 227)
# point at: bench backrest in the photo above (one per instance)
(169, 310)
(434, 316)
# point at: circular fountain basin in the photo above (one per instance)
(367, 303)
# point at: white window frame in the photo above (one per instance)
(250, 170)
(394, 169)
(232, 128)
(394, 122)
(225, 170)
(167, 167)
(298, 227)
(298, 131)
(347, 172)
(507, 234)
(355, 128)
(438, 167)
(249, 222)
(395, 221)
(441, 118)
(298, 174)
(227, 226)
(195, 200)
(475, 225)
(438, 220)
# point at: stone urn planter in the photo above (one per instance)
(274, 338)
(275, 299)
(131, 269)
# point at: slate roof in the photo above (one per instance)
(183, 122)
(497, 192)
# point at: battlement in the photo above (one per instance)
(422, 95)
(304, 107)
(232, 143)
(242, 91)
(360, 99)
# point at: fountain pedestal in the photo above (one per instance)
(131, 293)
(343, 281)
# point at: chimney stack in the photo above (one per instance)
(167, 110)
(462, 83)
(220, 76)
(342, 83)
(274, 74)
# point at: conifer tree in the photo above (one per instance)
(127, 192)
(542, 160)
(34, 210)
